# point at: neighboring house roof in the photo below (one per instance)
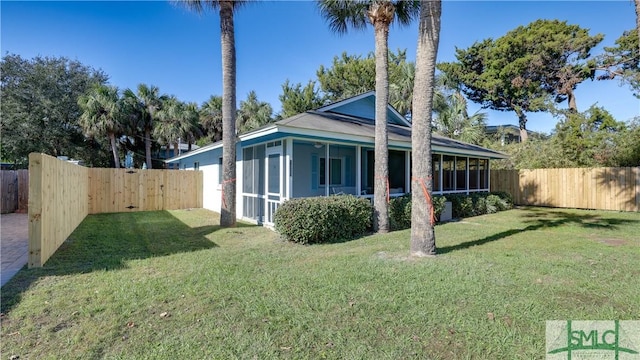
(351, 121)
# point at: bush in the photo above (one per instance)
(461, 205)
(400, 210)
(323, 219)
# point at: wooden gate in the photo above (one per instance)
(15, 190)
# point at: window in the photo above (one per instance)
(335, 171)
(196, 165)
(448, 172)
(484, 173)
(274, 173)
(473, 174)
(435, 168)
(461, 173)
(397, 170)
(220, 170)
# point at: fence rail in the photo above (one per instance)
(15, 190)
(581, 188)
(63, 194)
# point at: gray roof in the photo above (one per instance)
(350, 125)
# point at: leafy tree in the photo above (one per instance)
(590, 138)
(40, 111)
(342, 14)
(423, 238)
(227, 35)
(622, 61)
(102, 116)
(253, 113)
(348, 76)
(351, 75)
(526, 68)
(296, 99)
(628, 145)
(211, 118)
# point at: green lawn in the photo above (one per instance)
(173, 285)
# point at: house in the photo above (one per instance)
(330, 151)
(507, 134)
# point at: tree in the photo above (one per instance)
(342, 14)
(352, 75)
(167, 129)
(253, 113)
(349, 75)
(453, 121)
(211, 118)
(525, 69)
(150, 104)
(40, 111)
(227, 35)
(295, 99)
(622, 61)
(590, 138)
(102, 116)
(423, 240)
(191, 130)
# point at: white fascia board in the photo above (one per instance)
(344, 101)
(259, 133)
(195, 152)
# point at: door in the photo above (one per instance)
(274, 180)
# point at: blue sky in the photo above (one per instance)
(156, 42)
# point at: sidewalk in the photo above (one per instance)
(14, 235)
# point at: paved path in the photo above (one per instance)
(14, 233)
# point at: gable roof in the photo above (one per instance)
(363, 105)
(352, 120)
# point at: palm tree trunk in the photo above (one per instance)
(381, 163)
(228, 208)
(147, 146)
(423, 239)
(114, 149)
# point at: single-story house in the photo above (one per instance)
(330, 151)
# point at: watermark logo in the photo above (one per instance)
(576, 340)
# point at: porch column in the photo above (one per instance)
(467, 175)
(358, 170)
(327, 181)
(407, 172)
(288, 166)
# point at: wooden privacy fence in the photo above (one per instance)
(15, 190)
(124, 190)
(62, 194)
(580, 188)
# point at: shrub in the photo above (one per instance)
(461, 205)
(400, 210)
(323, 219)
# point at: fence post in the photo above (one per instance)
(35, 210)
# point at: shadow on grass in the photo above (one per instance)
(108, 241)
(541, 219)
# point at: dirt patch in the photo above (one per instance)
(612, 242)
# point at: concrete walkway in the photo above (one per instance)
(14, 236)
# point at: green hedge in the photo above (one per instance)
(462, 206)
(323, 219)
(400, 210)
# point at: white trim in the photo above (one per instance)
(345, 101)
(358, 170)
(289, 171)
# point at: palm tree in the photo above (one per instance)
(401, 90)
(191, 130)
(342, 14)
(227, 34)
(253, 113)
(453, 121)
(211, 118)
(167, 130)
(150, 103)
(423, 240)
(102, 116)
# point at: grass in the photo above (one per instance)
(161, 285)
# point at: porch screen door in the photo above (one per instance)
(274, 181)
